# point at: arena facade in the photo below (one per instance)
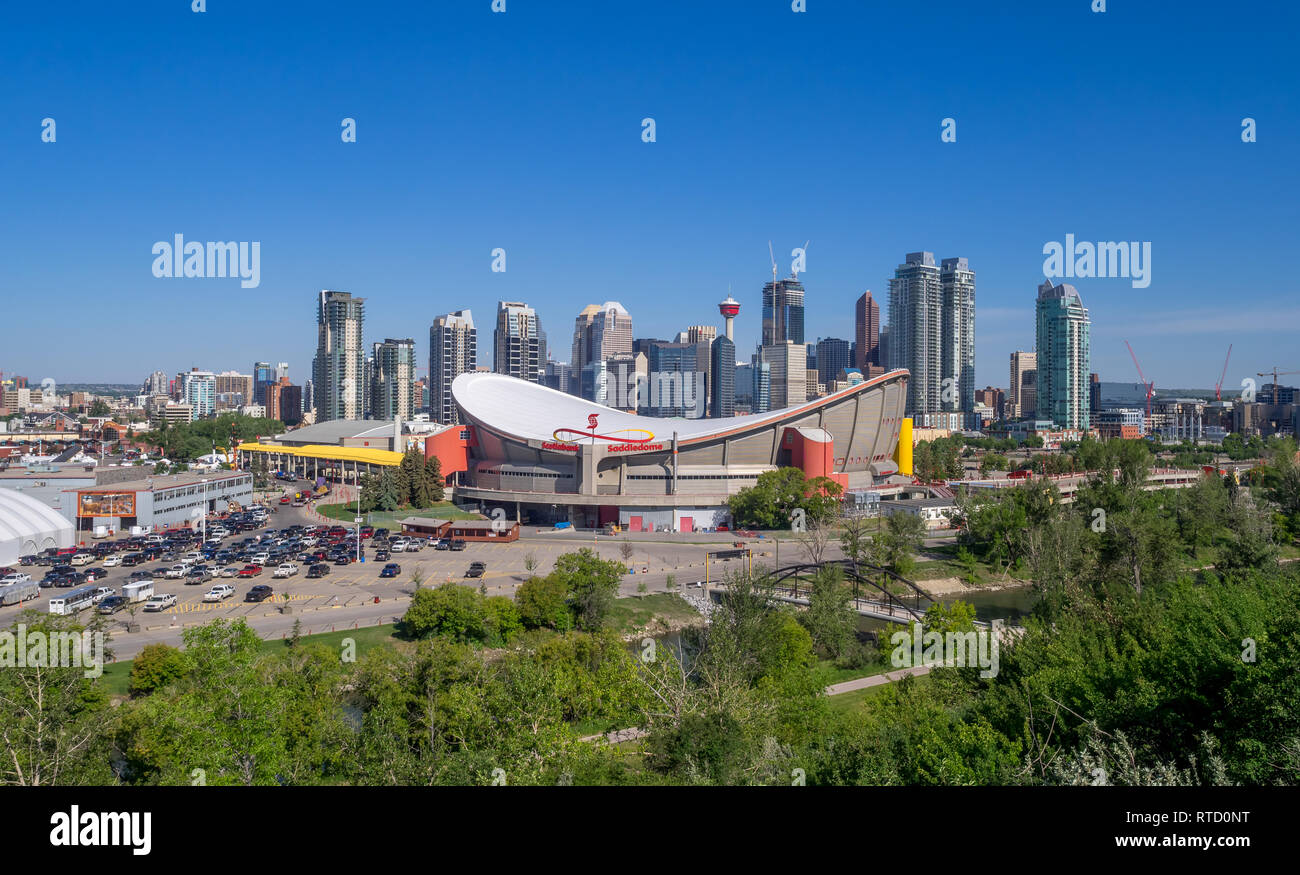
(546, 456)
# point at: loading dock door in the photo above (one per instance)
(688, 525)
(634, 524)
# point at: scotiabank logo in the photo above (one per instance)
(625, 440)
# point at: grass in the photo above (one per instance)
(836, 675)
(383, 518)
(627, 614)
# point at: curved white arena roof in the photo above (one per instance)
(28, 526)
(529, 411)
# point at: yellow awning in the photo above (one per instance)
(364, 455)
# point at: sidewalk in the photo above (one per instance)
(877, 680)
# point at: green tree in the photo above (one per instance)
(591, 584)
(543, 603)
(52, 719)
(455, 612)
(412, 473)
(771, 501)
(156, 666)
(434, 487)
(390, 491)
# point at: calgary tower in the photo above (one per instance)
(729, 308)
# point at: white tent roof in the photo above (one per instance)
(28, 526)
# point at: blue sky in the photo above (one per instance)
(523, 131)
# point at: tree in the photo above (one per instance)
(99, 407)
(543, 603)
(625, 550)
(52, 720)
(830, 619)
(389, 493)
(411, 476)
(591, 584)
(903, 536)
(156, 666)
(454, 612)
(770, 503)
(434, 486)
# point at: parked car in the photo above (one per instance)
(160, 602)
(250, 571)
(259, 593)
(177, 571)
(219, 592)
(15, 577)
(343, 559)
(458, 544)
(287, 569)
(320, 569)
(382, 556)
(112, 560)
(229, 571)
(392, 569)
(81, 559)
(94, 574)
(112, 604)
(474, 572)
(442, 544)
(197, 576)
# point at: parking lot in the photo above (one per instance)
(355, 592)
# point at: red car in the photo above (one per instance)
(284, 500)
(250, 571)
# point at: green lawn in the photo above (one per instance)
(381, 518)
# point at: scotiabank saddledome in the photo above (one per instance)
(546, 456)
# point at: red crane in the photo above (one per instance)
(1150, 387)
(1219, 384)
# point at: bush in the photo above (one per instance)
(543, 603)
(157, 666)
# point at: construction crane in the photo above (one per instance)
(772, 256)
(1276, 373)
(794, 273)
(1150, 387)
(1219, 384)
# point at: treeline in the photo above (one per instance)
(186, 441)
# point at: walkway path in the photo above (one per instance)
(876, 680)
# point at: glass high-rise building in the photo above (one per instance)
(453, 350)
(832, 357)
(339, 368)
(931, 332)
(600, 333)
(519, 343)
(263, 376)
(392, 379)
(957, 362)
(866, 325)
(1063, 390)
(783, 312)
(722, 389)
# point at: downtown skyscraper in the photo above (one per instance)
(932, 333)
(339, 368)
(866, 325)
(599, 333)
(392, 379)
(453, 350)
(1062, 337)
(519, 344)
(783, 312)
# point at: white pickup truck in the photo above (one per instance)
(287, 569)
(218, 592)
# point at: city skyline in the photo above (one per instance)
(586, 210)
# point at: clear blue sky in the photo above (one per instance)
(522, 130)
